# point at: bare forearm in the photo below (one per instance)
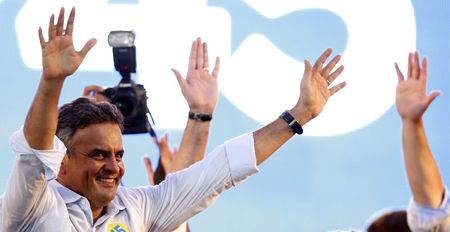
(193, 145)
(271, 137)
(41, 121)
(423, 172)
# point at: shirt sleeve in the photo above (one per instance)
(27, 190)
(426, 219)
(191, 190)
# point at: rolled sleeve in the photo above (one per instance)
(50, 158)
(422, 218)
(27, 196)
(240, 152)
(189, 191)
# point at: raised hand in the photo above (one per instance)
(166, 162)
(314, 87)
(166, 154)
(59, 57)
(411, 98)
(200, 86)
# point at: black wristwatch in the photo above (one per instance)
(200, 117)
(293, 124)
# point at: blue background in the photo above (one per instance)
(310, 184)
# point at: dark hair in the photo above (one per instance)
(393, 221)
(81, 113)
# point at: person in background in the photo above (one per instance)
(429, 208)
(388, 220)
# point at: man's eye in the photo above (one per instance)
(98, 156)
(119, 156)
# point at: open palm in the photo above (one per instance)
(200, 87)
(411, 98)
(314, 88)
(59, 57)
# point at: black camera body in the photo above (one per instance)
(129, 97)
(131, 100)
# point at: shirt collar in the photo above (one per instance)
(70, 196)
(115, 205)
(67, 195)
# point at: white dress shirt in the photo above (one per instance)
(426, 219)
(35, 201)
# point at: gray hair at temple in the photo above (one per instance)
(81, 113)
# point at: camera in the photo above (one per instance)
(129, 97)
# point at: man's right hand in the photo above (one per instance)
(59, 58)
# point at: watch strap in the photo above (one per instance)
(293, 124)
(200, 117)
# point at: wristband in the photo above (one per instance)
(200, 117)
(293, 124)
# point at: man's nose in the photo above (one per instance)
(112, 165)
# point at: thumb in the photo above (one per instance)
(87, 47)
(180, 79)
(308, 70)
(430, 98)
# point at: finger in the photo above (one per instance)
(424, 70)
(415, 66)
(338, 87)
(193, 55)
(308, 70)
(205, 56)
(87, 47)
(60, 23)
(409, 66)
(399, 73)
(51, 28)
(70, 22)
(322, 59)
(149, 169)
(41, 38)
(164, 140)
(330, 66)
(200, 64)
(430, 98)
(215, 72)
(92, 90)
(180, 79)
(335, 74)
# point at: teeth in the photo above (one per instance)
(107, 180)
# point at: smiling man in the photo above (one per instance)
(70, 182)
(93, 164)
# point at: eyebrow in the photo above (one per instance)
(98, 150)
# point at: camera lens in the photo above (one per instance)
(125, 105)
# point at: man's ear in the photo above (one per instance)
(64, 163)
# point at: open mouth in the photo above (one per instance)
(107, 182)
